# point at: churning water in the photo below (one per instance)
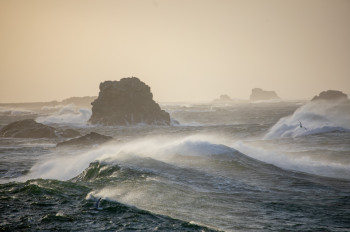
(244, 167)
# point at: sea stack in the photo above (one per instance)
(262, 95)
(127, 102)
(331, 95)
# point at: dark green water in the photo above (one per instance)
(213, 172)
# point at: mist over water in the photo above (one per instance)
(243, 167)
(68, 115)
(315, 118)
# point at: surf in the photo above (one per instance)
(318, 117)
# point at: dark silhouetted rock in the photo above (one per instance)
(87, 140)
(259, 95)
(223, 99)
(127, 102)
(331, 95)
(29, 128)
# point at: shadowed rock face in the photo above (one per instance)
(331, 95)
(87, 140)
(29, 128)
(259, 94)
(127, 102)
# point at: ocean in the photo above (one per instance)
(268, 166)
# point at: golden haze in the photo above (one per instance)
(186, 50)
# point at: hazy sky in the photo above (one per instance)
(186, 50)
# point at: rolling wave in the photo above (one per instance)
(313, 118)
(68, 115)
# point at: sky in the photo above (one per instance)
(185, 50)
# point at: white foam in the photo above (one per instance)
(169, 148)
(316, 117)
(69, 114)
(160, 148)
(56, 107)
(296, 163)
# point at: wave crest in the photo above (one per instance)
(68, 114)
(313, 118)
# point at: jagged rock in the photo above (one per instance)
(331, 95)
(127, 102)
(90, 139)
(259, 94)
(29, 128)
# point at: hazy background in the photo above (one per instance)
(186, 50)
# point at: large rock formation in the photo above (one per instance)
(29, 128)
(259, 94)
(127, 102)
(331, 95)
(92, 138)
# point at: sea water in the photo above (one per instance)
(282, 166)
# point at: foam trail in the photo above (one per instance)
(168, 149)
(69, 115)
(158, 148)
(302, 164)
(316, 117)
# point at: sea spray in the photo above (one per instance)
(69, 115)
(64, 167)
(313, 118)
(301, 163)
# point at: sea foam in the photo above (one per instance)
(69, 114)
(164, 149)
(303, 164)
(315, 117)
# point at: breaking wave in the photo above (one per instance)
(69, 114)
(313, 118)
(194, 152)
(162, 149)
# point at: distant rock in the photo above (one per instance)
(90, 139)
(29, 128)
(127, 102)
(331, 95)
(223, 99)
(259, 95)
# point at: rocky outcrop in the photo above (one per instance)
(29, 128)
(260, 95)
(87, 140)
(223, 99)
(127, 102)
(331, 95)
